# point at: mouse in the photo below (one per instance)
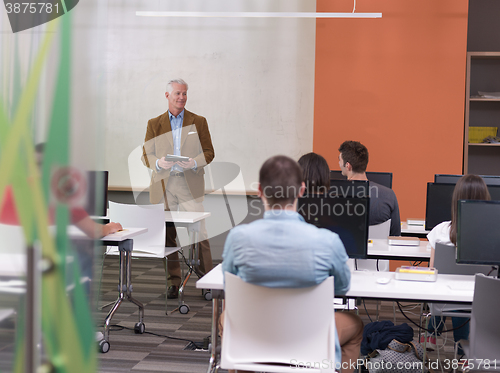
(383, 280)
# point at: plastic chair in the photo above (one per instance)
(268, 329)
(484, 338)
(445, 263)
(374, 232)
(150, 244)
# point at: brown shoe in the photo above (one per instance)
(173, 292)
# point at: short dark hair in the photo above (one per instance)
(356, 154)
(316, 173)
(280, 179)
(468, 187)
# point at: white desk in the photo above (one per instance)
(212, 280)
(185, 217)
(15, 265)
(363, 285)
(380, 249)
(123, 240)
(192, 221)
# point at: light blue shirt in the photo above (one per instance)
(176, 125)
(282, 250)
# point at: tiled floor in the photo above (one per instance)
(148, 353)
(161, 348)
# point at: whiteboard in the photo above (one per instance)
(253, 79)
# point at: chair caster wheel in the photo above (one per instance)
(208, 295)
(184, 309)
(104, 346)
(139, 328)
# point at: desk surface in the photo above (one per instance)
(14, 264)
(185, 217)
(364, 285)
(380, 249)
(125, 234)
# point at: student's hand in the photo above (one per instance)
(187, 164)
(162, 163)
(112, 228)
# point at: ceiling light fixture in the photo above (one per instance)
(257, 14)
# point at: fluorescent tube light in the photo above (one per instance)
(257, 14)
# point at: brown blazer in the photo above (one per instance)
(196, 143)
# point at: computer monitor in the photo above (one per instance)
(96, 198)
(452, 179)
(478, 236)
(348, 217)
(382, 178)
(438, 204)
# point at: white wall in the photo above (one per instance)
(253, 79)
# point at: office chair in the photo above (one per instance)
(378, 231)
(150, 244)
(445, 263)
(484, 338)
(267, 329)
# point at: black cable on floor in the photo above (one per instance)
(197, 344)
(367, 314)
(429, 330)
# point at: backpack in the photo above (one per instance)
(397, 358)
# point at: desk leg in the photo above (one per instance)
(124, 288)
(121, 295)
(214, 364)
(192, 263)
(129, 288)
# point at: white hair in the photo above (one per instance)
(170, 83)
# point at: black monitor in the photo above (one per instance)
(478, 236)
(382, 178)
(452, 179)
(438, 204)
(96, 199)
(348, 217)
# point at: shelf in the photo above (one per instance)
(484, 54)
(483, 99)
(482, 75)
(481, 144)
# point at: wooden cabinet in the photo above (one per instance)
(483, 75)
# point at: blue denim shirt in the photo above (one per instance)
(282, 250)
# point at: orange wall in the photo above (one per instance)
(396, 84)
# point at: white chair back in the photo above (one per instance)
(150, 244)
(445, 263)
(485, 326)
(374, 232)
(380, 230)
(267, 326)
